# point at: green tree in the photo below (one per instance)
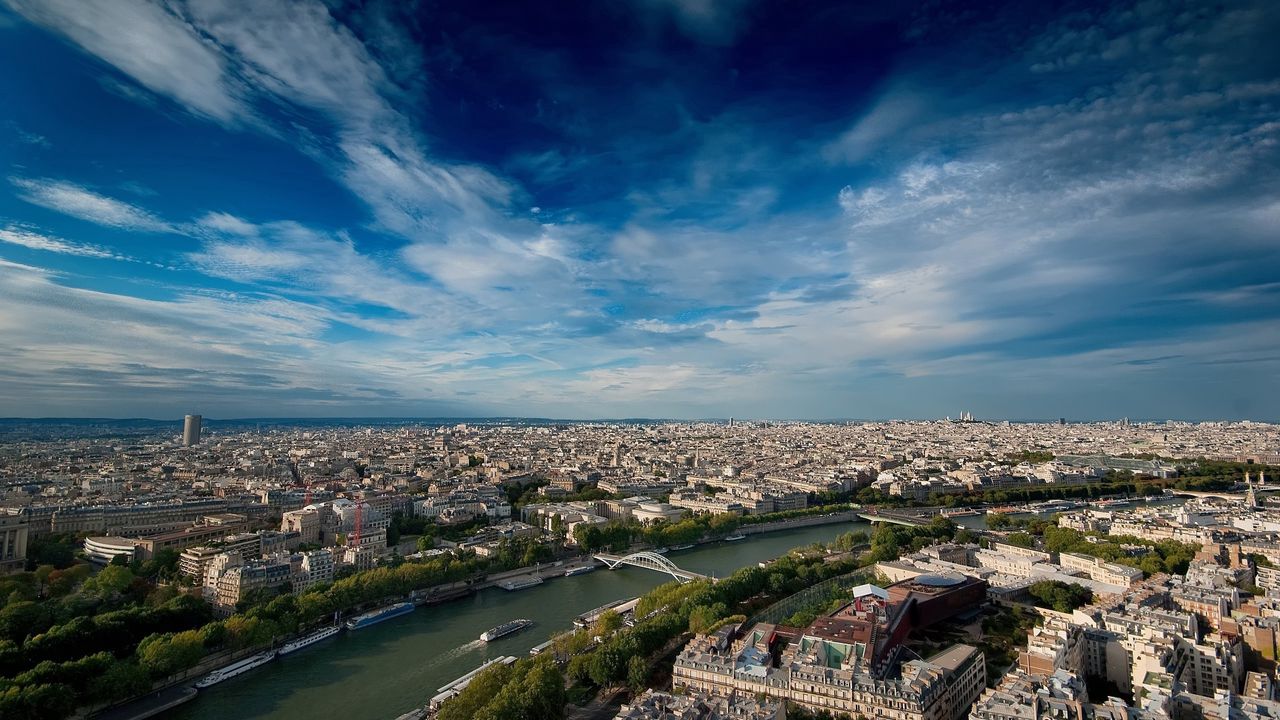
(637, 674)
(164, 655)
(20, 619)
(1021, 539)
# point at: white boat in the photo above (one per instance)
(520, 583)
(505, 629)
(682, 547)
(313, 638)
(234, 669)
(662, 550)
(734, 538)
(579, 570)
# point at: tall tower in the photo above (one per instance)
(191, 430)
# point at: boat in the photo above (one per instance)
(682, 547)
(234, 669)
(505, 629)
(734, 538)
(662, 550)
(579, 570)
(520, 583)
(961, 512)
(618, 606)
(313, 638)
(541, 647)
(374, 617)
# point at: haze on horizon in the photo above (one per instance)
(645, 208)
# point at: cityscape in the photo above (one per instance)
(639, 360)
(905, 569)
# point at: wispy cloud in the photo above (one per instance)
(751, 229)
(81, 202)
(35, 241)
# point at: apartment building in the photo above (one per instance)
(14, 531)
(1100, 570)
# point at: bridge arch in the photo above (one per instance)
(649, 560)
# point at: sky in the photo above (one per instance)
(640, 208)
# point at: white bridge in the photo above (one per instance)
(650, 561)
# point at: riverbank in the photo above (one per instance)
(395, 666)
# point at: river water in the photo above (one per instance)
(388, 669)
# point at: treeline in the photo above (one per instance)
(57, 654)
(87, 660)
(889, 541)
(1167, 556)
(531, 689)
(617, 535)
(529, 494)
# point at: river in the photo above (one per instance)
(388, 669)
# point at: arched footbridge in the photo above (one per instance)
(650, 561)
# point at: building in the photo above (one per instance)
(314, 567)
(103, 550)
(13, 540)
(655, 705)
(306, 522)
(193, 561)
(191, 430)
(236, 581)
(1100, 570)
(850, 661)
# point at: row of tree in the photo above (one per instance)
(531, 688)
(619, 535)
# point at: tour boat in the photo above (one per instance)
(505, 629)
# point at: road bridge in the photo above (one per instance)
(650, 561)
(1217, 495)
(893, 519)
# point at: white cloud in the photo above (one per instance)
(35, 241)
(149, 43)
(80, 202)
(877, 129)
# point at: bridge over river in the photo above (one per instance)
(650, 561)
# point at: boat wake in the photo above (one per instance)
(473, 645)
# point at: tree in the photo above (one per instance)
(21, 619)
(637, 674)
(605, 625)
(112, 580)
(483, 688)
(1021, 539)
(164, 655)
(1060, 596)
(998, 521)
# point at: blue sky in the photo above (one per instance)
(663, 208)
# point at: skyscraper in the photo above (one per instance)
(191, 430)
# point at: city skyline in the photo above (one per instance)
(677, 209)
